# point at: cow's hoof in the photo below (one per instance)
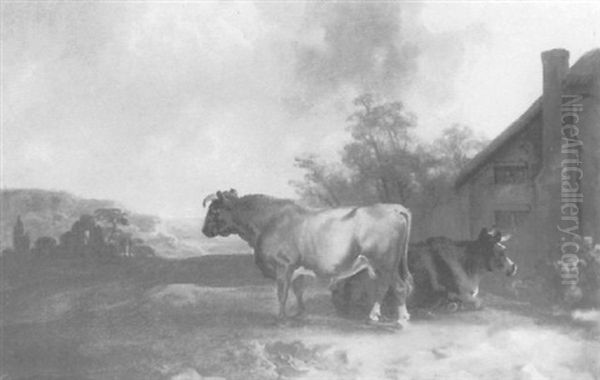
(402, 324)
(374, 319)
(403, 315)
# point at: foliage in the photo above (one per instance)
(45, 246)
(43, 212)
(456, 146)
(323, 184)
(384, 162)
(85, 238)
(118, 241)
(142, 250)
(112, 216)
(60, 216)
(380, 151)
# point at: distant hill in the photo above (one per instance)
(44, 213)
(51, 213)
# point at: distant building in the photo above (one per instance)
(536, 176)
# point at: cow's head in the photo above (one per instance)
(494, 252)
(219, 218)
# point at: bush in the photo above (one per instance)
(45, 247)
(142, 251)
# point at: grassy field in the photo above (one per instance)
(214, 317)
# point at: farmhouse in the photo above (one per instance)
(539, 180)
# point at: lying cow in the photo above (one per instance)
(444, 271)
(333, 243)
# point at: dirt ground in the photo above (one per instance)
(214, 317)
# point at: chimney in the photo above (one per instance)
(556, 66)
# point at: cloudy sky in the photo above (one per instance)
(156, 104)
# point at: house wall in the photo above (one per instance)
(509, 207)
(530, 210)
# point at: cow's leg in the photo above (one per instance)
(469, 297)
(284, 276)
(375, 313)
(298, 288)
(381, 286)
(432, 272)
(401, 290)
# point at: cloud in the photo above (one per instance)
(357, 43)
(155, 104)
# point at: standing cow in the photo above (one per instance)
(333, 243)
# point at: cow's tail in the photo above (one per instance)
(404, 271)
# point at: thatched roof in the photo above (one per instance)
(584, 72)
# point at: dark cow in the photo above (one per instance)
(333, 243)
(444, 272)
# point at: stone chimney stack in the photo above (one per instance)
(555, 68)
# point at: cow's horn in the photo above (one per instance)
(209, 198)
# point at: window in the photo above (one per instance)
(505, 174)
(508, 220)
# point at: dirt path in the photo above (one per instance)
(215, 318)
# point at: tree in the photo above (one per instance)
(376, 166)
(443, 160)
(457, 145)
(85, 238)
(116, 238)
(320, 185)
(114, 217)
(385, 163)
(21, 241)
(380, 150)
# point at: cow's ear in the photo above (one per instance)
(220, 195)
(505, 238)
(233, 193)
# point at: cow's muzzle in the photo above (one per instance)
(208, 231)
